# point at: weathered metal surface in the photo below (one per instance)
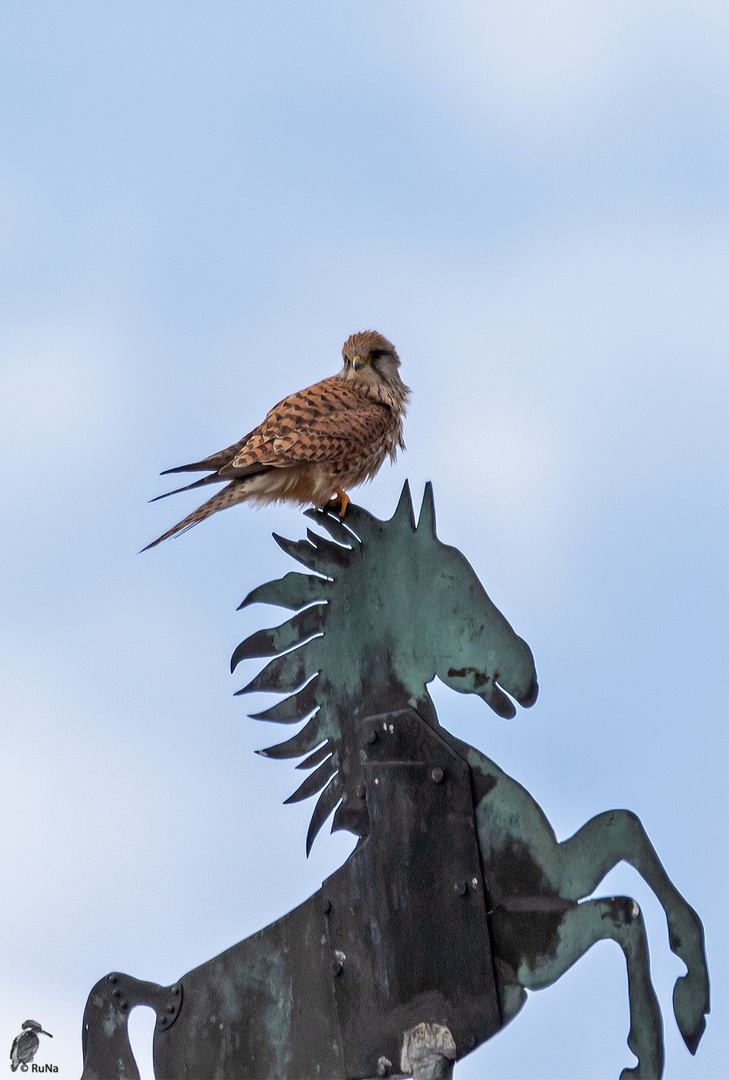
(332, 987)
(393, 607)
(263, 1009)
(406, 914)
(458, 897)
(106, 1050)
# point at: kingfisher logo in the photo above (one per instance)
(25, 1047)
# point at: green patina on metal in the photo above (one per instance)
(400, 608)
(458, 897)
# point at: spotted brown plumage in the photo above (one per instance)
(315, 443)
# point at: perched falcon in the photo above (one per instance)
(316, 443)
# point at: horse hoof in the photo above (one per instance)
(689, 1007)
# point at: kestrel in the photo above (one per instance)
(314, 444)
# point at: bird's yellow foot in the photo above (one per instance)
(339, 502)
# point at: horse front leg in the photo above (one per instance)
(567, 937)
(595, 849)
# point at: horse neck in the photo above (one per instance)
(376, 696)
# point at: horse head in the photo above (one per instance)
(387, 608)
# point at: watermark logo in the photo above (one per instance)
(25, 1047)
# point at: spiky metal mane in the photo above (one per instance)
(298, 648)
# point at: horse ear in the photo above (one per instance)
(427, 512)
(404, 514)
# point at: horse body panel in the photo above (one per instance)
(262, 1010)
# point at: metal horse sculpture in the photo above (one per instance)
(458, 897)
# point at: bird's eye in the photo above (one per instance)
(377, 354)
(347, 361)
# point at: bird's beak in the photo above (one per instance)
(42, 1032)
(357, 362)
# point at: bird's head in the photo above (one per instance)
(34, 1026)
(370, 359)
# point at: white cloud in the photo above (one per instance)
(548, 67)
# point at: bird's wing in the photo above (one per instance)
(326, 422)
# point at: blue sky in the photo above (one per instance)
(198, 204)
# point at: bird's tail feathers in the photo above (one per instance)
(232, 493)
(212, 479)
(194, 466)
(215, 461)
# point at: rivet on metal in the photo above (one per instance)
(436, 775)
(116, 993)
(383, 1066)
(361, 791)
(171, 1009)
(113, 978)
(337, 967)
(176, 991)
(371, 737)
(123, 1006)
(326, 905)
(461, 888)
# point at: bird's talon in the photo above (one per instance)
(339, 502)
